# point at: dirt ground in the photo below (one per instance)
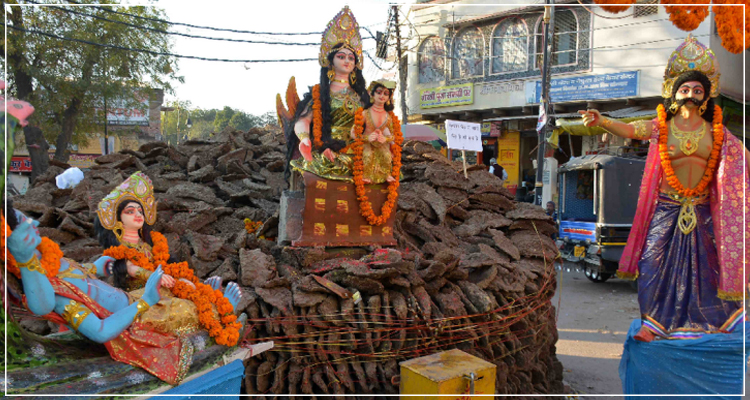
(593, 320)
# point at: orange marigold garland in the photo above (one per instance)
(365, 207)
(50, 251)
(225, 330)
(713, 160)
(252, 226)
(613, 9)
(685, 17)
(729, 24)
(317, 117)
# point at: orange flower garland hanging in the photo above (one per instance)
(686, 17)
(729, 24)
(202, 295)
(365, 207)
(50, 251)
(317, 117)
(713, 160)
(603, 4)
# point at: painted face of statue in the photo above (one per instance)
(132, 216)
(690, 94)
(344, 61)
(381, 96)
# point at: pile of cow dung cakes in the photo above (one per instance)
(473, 269)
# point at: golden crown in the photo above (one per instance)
(342, 29)
(137, 187)
(691, 55)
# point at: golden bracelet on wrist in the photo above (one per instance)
(304, 135)
(142, 307)
(33, 265)
(606, 124)
(142, 274)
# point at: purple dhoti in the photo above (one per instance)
(679, 277)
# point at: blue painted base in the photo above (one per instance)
(225, 381)
(711, 365)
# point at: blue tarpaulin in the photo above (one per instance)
(224, 380)
(711, 365)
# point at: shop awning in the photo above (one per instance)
(498, 119)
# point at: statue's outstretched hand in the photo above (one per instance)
(591, 117)
(24, 240)
(151, 291)
(103, 263)
(305, 148)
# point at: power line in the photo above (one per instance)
(177, 33)
(158, 53)
(200, 26)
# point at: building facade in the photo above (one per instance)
(481, 63)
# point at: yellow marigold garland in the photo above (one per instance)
(729, 24)
(713, 160)
(50, 251)
(365, 207)
(252, 226)
(687, 18)
(603, 4)
(202, 295)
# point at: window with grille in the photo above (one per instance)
(468, 54)
(510, 44)
(431, 60)
(642, 9)
(564, 42)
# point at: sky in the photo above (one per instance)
(253, 87)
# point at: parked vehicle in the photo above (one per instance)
(598, 195)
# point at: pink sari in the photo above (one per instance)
(728, 207)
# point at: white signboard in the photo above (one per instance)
(464, 135)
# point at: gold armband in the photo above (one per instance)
(142, 307)
(33, 265)
(606, 124)
(75, 313)
(304, 135)
(641, 130)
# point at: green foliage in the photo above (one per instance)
(67, 80)
(222, 118)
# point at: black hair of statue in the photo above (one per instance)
(689, 77)
(388, 106)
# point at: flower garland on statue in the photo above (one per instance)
(713, 160)
(50, 251)
(729, 24)
(317, 117)
(687, 18)
(225, 331)
(365, 207)
(613, 9)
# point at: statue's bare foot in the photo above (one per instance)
(644, 335)
(233, 294)
(390, 179)
(214, 282)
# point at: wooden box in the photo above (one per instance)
(447, 373)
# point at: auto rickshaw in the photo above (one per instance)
(598, 194)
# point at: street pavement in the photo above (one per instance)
(592, 322)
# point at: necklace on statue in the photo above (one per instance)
(688, 139)
(344, 81)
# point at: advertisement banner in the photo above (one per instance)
(82, 161)
(120, 112)
(590, 87)
(508, 150)
(445, 96)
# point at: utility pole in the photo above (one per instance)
(401, 74)
(544, 103)
(106, 135)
